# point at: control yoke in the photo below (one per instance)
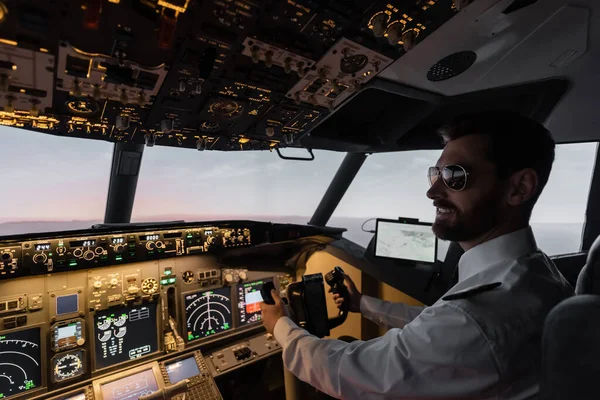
(307, 300)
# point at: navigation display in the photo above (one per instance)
(405, 241)
(249, 299)
(20, 368)
(130, 387)
(207, 313)
(182, 369)
(125, 333)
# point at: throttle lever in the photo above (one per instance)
(335, 279)
(265, 292)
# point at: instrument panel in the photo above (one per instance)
(72, 330)
(210, 75)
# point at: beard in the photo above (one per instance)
(468, 225)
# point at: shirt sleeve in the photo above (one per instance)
(388, 314)
(442, 353)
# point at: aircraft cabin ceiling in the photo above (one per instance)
(351, 76)
(544, 39)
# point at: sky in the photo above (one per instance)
(45, 177)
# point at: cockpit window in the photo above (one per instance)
(186, 184)
(51, 183)
(393, 185)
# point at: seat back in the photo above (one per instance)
(588, 281)
(571, 339)
(571, 350)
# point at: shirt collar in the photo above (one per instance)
(503, 248)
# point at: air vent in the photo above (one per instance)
(451, 66)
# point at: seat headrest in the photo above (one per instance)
(588, 281)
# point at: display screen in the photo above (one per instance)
(413, 242)
(118, 240)
(207, 313)
(150, 237)
(65, 336)
(124, 334)
(83, 243)
(130, 387)
(67, 304)
(42, 246)
(182, 369)
(20, 367)
(249, 299)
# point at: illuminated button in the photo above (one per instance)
(172, 280)
(168, 272)
(164, 281)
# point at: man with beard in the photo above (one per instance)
(481, 340)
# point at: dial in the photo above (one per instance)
(120, 320)
(188, 277)
(82, 106)
(226, 109)
(67, 366)
(149, 286)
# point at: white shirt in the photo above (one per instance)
(484, 346)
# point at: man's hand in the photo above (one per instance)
(353, 294)
(272, 313)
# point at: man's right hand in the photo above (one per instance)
(353, 294)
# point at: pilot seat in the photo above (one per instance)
(571, 339)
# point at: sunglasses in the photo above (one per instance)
(454, 176)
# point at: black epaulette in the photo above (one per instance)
(464, 294)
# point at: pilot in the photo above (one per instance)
(482, 339)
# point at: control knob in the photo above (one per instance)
(6, 257)
(119, 248)
(210, 240)
(379, 23)
(77, 253)
(114, 282)
(150, 245)
(229, 278)
(88, 255)
(394, 32)
(133, 289)
(243, 275)
(40, 258)
(60, 250)
(97, 284)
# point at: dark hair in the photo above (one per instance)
(516, 143)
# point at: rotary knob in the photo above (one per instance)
(77, 253)
(40, 258)
(6, 257)
(88, 255)
(210, 240)
(97, 285)
(119, 248)
(229, 278)
(61, 250)
(243, 275)
(114, 282)
(150, 246)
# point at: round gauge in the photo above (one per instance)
(352, 64)
(188, 277)
(209, 126)
(149, 286)
(120, 320)
(226, 109)
(67, 366)
(104, 324)
(82, 106)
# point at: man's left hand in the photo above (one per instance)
(272, 313)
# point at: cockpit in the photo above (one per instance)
(163, 161)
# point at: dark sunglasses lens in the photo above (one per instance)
(433, 174)
(455, 177)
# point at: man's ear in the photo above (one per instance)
(522, 186)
